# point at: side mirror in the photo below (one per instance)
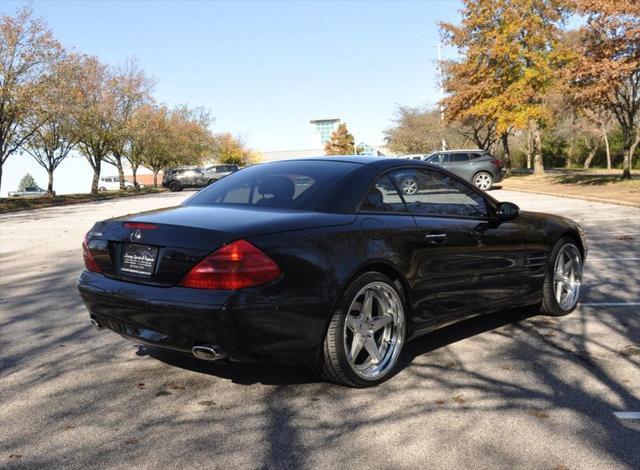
(507, 211)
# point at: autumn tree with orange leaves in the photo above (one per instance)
(605, 71)
(511, 52)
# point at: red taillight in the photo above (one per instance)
(89, 260)
(139, 225)
(234, 266)
(497, 162)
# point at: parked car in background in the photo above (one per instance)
(215, 172)
(112, 183)
(474, 165)
(415, 156)
(176, 179)
(33, 191)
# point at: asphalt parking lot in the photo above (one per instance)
(492, 392)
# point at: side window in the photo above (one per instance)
(431, 193)
(458, 157)
(383, 197)
(437, 158)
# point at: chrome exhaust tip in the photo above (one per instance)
(95, 324)
(208, 353)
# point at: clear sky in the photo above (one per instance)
(263, 68)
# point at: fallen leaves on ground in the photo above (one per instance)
(163, 393)
(459, 399)
(631, 350)
(141, 386)
(15, 456)
(175, 386)
(538, 413)
(207, 403)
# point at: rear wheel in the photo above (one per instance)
(366, 334)
(561, 290)
(483, 180)
(102, 189)
(175, 186)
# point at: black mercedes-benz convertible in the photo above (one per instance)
(328, 262)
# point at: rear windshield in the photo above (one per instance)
(286, 185)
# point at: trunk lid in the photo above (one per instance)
(180, 237)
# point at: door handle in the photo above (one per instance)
(436, 237)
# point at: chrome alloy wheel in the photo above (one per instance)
(567, 277)
(483, 181)
(374, 330)
(409, 186)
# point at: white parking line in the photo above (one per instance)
(610, 304)
(627, 414)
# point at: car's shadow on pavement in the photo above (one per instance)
(248, 374)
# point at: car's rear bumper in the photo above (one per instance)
(240, 324)
(498, 175)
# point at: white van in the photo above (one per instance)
(112, 183)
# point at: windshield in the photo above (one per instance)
(286, 185)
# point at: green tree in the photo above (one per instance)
(91, 114)
(131, 89)
(232, 150)
(52, 142)
(27, 52)
(27, 181)
(341, 142)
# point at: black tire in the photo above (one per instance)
(175, 186)
(102, 189)
(332, 364)
(211, 182)
(550, 305)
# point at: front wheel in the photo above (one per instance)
(483, 180)
(561, 290)
(175, 186)
(366, 334)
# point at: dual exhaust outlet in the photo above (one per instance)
(204, 352)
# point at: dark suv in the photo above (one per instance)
(176, 179)
(476, 166)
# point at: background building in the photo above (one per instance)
(323, 128)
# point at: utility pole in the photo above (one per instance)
(444, 142)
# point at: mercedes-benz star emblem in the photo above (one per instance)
(135, 236)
